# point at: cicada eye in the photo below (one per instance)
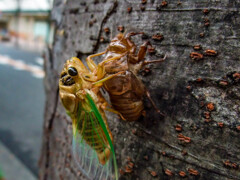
(72, 71)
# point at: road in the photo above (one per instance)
(21, 104)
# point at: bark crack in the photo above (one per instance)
(109, 13)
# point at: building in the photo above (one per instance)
(26, 23)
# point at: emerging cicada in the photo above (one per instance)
(126, 90)
(79, 91)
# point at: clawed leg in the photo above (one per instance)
(131, 44)
(92, 66)
(100, 68)
(111, 59)
(100, 82)
(154, 61)
(142, 53)
(153, 104)
(133, 34)
(105, 106)
(116, 112)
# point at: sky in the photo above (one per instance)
(25, 5)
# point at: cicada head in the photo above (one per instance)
(72, 72)
(70, 82)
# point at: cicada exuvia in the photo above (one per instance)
(126, 90)
(79, 90)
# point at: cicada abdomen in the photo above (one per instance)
(126, 93)
(126, 90)
(93, 149)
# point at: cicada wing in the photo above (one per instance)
(85, 155)
(87, 160)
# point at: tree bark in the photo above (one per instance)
(199, 95)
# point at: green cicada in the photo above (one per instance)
(79, 90)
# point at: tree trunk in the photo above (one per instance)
(198, 93)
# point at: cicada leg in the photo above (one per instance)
(152, 102)
(105, 106)
(133, 34)
(141, 55)
(111, 59)
(92, 66)
(132, 45)
(155, 61)
(100, 82)
(101, 70)
(116, 112)
(142, 51)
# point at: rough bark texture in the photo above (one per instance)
(202, 96)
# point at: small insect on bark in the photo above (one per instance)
(79, 90)
(193, 172)
(182, 174)
(168, 172)
(196, 56)
(126, 90)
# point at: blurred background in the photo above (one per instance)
(25, 30)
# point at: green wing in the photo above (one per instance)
(85, 138)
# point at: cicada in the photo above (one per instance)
(79, 90)
(126, 90)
